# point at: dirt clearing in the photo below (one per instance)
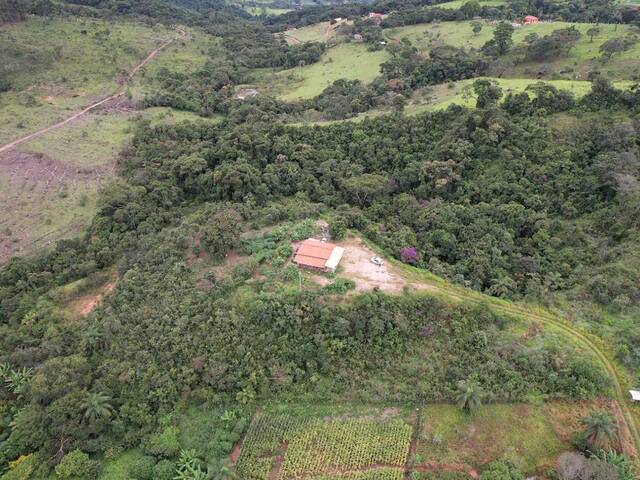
(84, 305)
(356, 265)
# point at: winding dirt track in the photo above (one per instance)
(86, 110)
(585, 341)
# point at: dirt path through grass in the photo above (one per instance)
(86, 110)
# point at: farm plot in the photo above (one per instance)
(288, 447)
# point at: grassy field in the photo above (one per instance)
(461, 93)
(312, 33)
(354, 61)
(48, 186)
(455, 4)
(351, 61)
(256, 11)
(582, 59)
(82, 61)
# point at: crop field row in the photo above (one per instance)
(301, 447)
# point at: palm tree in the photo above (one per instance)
(17, 380)
(601, 429)
(97, 405)
(469, 396)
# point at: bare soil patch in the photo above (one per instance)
(84, 305)
(356, 265)
(235, 453)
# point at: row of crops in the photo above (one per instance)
(377, 474)
(316, 447)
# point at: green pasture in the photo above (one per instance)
(461, 93)
(584, 57)
(81, 62)
(455, 4)
(310, 33)
(351, 61)
(53, 194)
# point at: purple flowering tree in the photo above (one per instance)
(409, 255)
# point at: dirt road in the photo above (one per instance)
(86, 110)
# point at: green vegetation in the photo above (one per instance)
(351, 61)
(176, 338)
(456, 4)
(58, 65)
(309, 445)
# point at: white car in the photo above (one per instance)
(377, 261)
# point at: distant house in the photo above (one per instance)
(376, 17)
(318, 255)
(635, 395)
(531, 19)
(357, 37)
(245, 93)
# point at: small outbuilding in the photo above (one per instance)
(531, 19)
(635, 395)
(318, 255)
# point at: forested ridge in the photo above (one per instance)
(532, 197)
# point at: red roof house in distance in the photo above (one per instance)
(319, 255)
(531, 19)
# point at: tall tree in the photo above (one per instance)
(503, 37)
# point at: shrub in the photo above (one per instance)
(163, 444)
(76, 465)
(341, 285)
(164, 470)
(501, 470)
(142, 468)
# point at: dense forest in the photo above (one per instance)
(530, 196)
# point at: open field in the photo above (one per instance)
(48, 186)
(351, 61)
(455, 4)
(82, 62)
(583, 58)
(256, 11)
(461, 93)
(318, 32)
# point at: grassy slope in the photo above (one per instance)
(311, 33)
(583, 58)
(56, 68)
(354, 61)
(347, 60)
(441, 96)
(40, 204)
(455, 4)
